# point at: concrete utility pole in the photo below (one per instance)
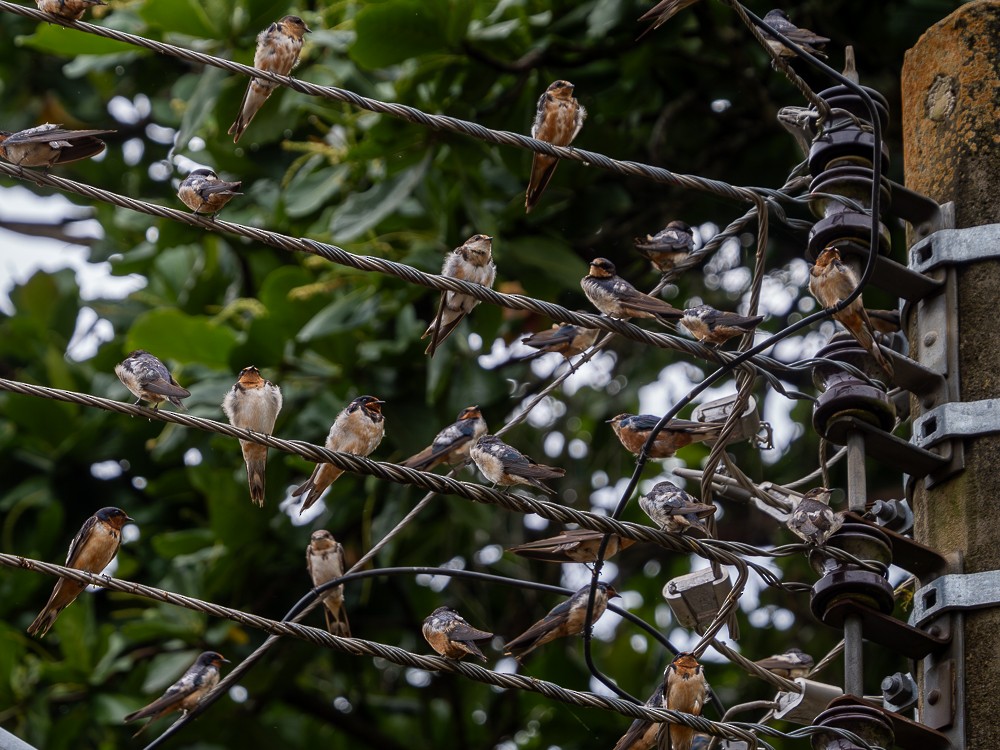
(951, 128)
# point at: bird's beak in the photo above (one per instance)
(129, 519)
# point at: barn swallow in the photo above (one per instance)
(278, 48)
(452, 444)
(669, 250)
(684, 690)
(791, 664)
(358, 429)
(149, 380)
(92, 550)
(450, 635)
(558, 119)
(642, 734)
(204, 193)
(47, 145)
(325, 561)
(472, 262)
(615, 297)
(576, 545)
(712, 326)
(672, 509)
(71, 9)
(662, 12)
(633, 430)
(830, 281)
(812, 519)
(565, 339)
(507, 466)
(567, 618)
(253, 404)
(186, 693)
(812, 43)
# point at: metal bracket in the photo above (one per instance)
(956, 420)
(803, 708)
(957, 591)
(949, 247)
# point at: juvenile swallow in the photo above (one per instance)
(47, 145)
(92, 550)
(472, 262)
(358, 429)
(149, 380)
(558, 119)
(712, 326)
(278, 48)
(71, 9)
(685, 690)
(576, 545)
(642, 734)
(450, 635)
(830, 281)
(452, 444)
(812, 43)
(253, 404)
(204, 193)
(662, 12)
(567, 618)
(615, 297)
(791, 664)
(567, 340)
(633, 430)
(325, 561)
(507, 466)
(669, 250)
(672, 509)
(186, 693)
(813, 520)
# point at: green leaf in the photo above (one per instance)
(58, 40)
(199, 105)
(363, 211)
(391, 32)
(179, 16)
(170, 334)
(350, 311)
(176, 543)
(311, 189)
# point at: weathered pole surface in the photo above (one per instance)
(951, 130)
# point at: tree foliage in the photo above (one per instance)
(695, 96)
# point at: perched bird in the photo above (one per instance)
(452, 444)
(71, 9)
(801, 124)
(669, 250)
(577, 545)
(672, 509)
(566, 339)
(634, 429)
(568, 618)
(685, 690)
(472, 262)
(830, 281)
(507, 466)
(278, 48)
(253, 404)
(615, 297)
(325, 561)
(812, 519)
(186, 693)
(48, 145)
(204, 193)
(662, 12)
(358, 429)
(450, 635)
(92, 550)
(558, 119)
(149, 380)
(885, 322)
(812, 43)
(791, 664)
(712, 326)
